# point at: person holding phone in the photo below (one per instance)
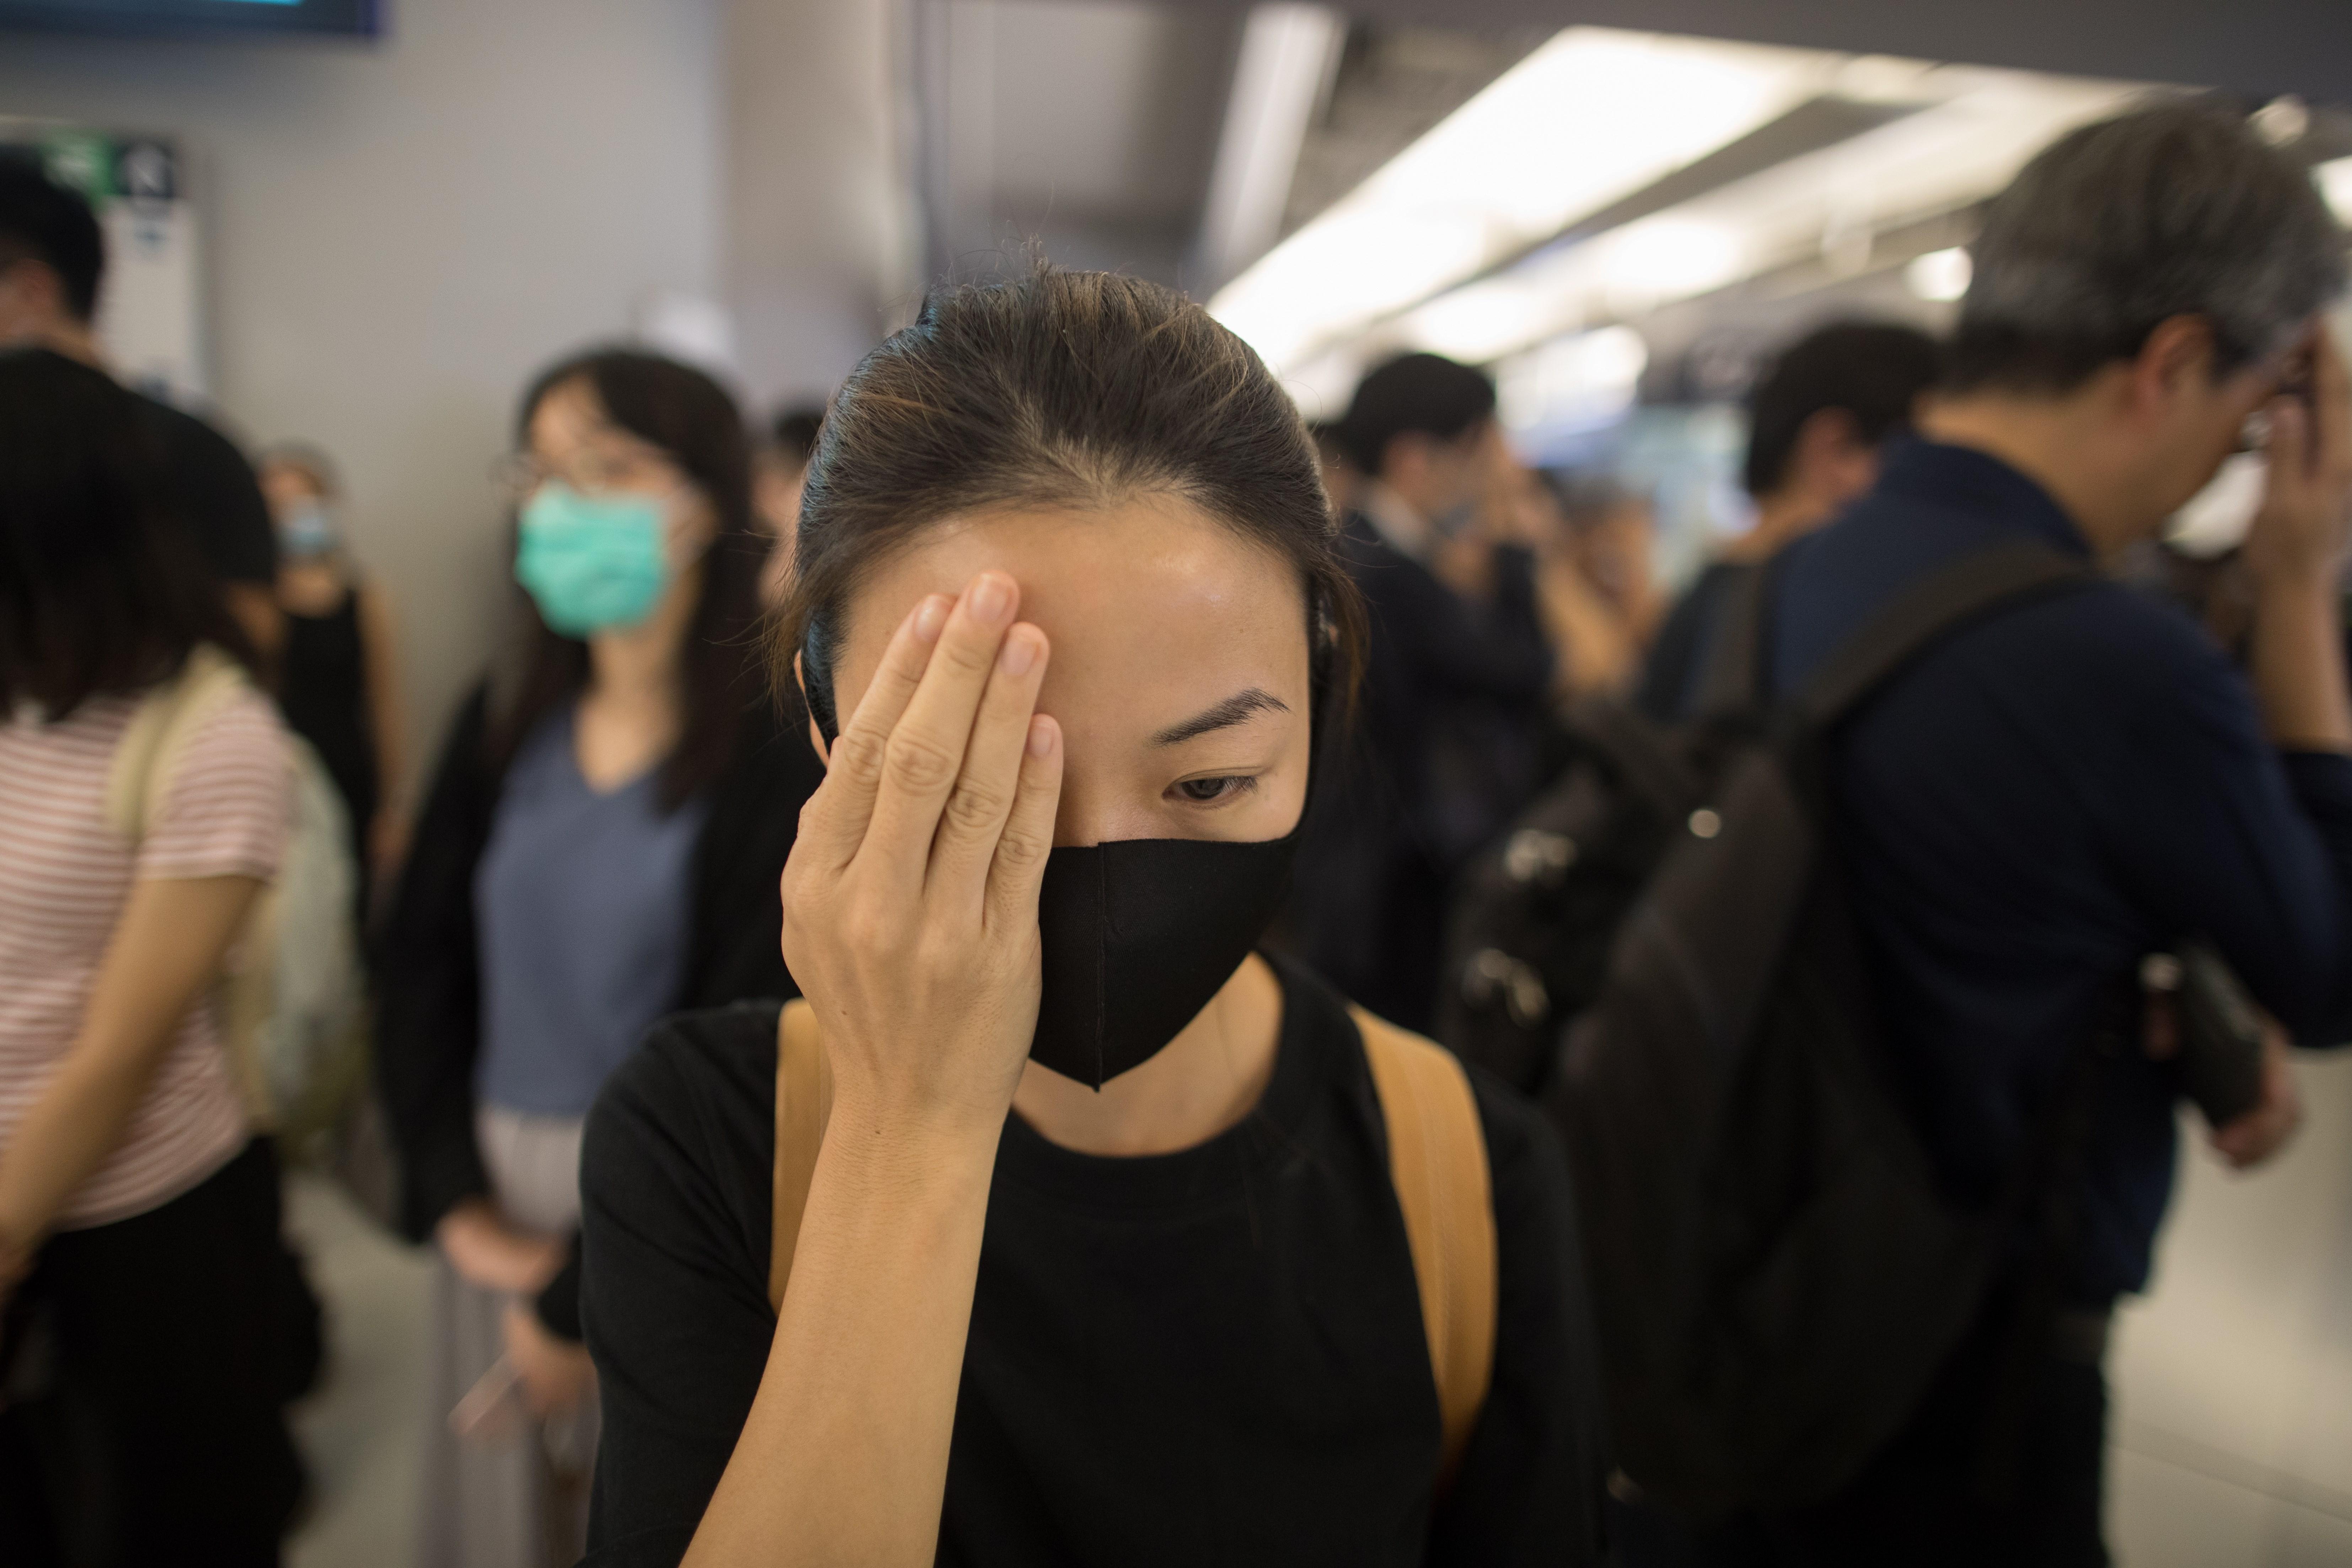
(1103, 1251)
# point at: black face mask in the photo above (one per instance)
(1138, 934)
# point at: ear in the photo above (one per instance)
(1828, 435)
(816, 736)
(37, 284)
(1405, 461)
(1829, 461)
(2178, 357)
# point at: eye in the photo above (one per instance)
(1214, 791)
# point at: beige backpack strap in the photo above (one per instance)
(803, 1102)
(159, 728)
(1437, 1158)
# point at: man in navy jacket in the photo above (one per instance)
(2059, 790)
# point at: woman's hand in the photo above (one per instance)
(556, 1372)
(489, 1253)
(910, 899)
(911, 920)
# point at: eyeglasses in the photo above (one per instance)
(590, 473)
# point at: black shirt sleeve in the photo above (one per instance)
(675, 1173)
(557, 1304)
(429, 986)
(1531, 1477)
(214, 492)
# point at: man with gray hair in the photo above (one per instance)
(2064, 786)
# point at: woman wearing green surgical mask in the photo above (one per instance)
(600, 845)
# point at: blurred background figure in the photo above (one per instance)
(1447, 747)
(1594, 538)
(1819, 418)
(778, 472)
(52, 268)
(600, 846)
(338, 674)
(152, 1326)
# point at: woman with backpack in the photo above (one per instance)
(1098, 1235)
(155, 1325)
(600, 845)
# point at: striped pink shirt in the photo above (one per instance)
(64, 876)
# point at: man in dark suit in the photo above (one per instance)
(1445, 749)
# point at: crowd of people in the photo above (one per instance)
(902, 1005)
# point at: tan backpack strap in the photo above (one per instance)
(803, 1102)
(1437, 1158)
(159, 726)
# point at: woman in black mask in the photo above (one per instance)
(1065, 610)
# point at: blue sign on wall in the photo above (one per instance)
(363, 18)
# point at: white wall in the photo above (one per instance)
(821, 255)
(396, 235)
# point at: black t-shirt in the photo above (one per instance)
(212, 488)
(1210, 1356)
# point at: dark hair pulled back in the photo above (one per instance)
(1058, 389)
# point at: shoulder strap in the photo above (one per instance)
(803, 1103)
(159, 728)
(1437, 1158)
(1938, 604)
(1731, 679)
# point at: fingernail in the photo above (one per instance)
(1041, 737)
(990, 598)
(929, 616)
(1020, 653)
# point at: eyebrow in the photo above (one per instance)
(1241, 705)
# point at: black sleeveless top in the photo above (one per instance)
(324, 696)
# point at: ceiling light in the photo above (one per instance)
(2336, 183)
(1667, 257)
(1593, 115)
(1472, 324)
(1926, 164)
(1940, 275)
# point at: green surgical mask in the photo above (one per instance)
(591, 563)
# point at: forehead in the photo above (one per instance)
(277, 474)
(572, 416)
(1138, 596)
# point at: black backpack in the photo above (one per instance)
(1661, 950)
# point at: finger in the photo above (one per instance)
(835, 820)
(977, 809)
(924, 755)
(2287, 451)
(2331, 404)
(1019, 864)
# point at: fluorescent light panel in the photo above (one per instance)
(1938, 160)
(1593, 115)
